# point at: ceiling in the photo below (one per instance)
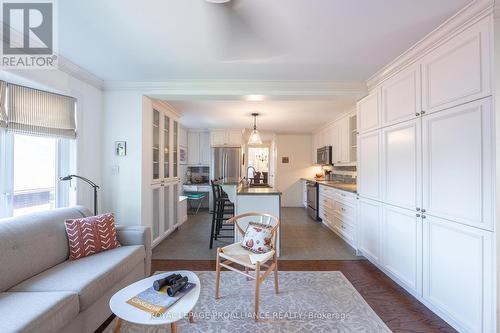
(275, 116)
(154, 40)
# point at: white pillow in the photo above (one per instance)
(258, 238)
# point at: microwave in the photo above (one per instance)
(324, 155)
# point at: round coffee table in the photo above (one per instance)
(181, 309)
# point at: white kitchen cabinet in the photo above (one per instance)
(458, 273)
(343, 141)
(460, 70)
(160, 170)
(369, 112)
(198, 148)
(458, 165)
(369, 224)
(226, 138)
(204, 148)
(333, 140)
(218, 137)
(164, 207)
(369, 154)
(401, 97)
(401, 245)
(401, 164)
(193, 148)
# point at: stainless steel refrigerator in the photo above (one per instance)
(226, 163)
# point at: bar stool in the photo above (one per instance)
(223, 210)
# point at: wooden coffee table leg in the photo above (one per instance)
(118, 325)
(190, 317)
(173, 327)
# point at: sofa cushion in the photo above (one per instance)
(91, 235)
(40, 312)
(90, 277)
(32, 243)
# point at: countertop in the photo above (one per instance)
(230, 181)
(258, 191)
(340, 186)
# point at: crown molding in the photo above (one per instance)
(63, 64)
(470, 14)
(79, 73)
(238, 88)
(347, 113)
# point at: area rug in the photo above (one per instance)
(320, 302)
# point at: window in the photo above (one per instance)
(34, 174)
(33, 166)
(37, 146)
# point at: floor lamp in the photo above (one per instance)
(88, 181)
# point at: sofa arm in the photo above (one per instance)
(136, 235)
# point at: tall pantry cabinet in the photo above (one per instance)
(426, 177)
(160, 168)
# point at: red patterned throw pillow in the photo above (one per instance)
(91, 235)
(258, 237)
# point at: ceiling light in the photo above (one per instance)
(254, 138)
(254, 98)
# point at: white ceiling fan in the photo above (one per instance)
(240, 34)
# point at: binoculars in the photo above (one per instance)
(174, 283)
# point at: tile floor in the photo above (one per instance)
(302, 239)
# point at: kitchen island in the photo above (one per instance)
(253, 199)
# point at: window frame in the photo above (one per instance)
(65, 192)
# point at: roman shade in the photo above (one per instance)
(37, 112)
(3, 111)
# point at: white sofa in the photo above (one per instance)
(42, 291)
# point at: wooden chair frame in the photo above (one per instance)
(258, 266)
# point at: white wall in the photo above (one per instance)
(122, 122)
(496, 67)
(297, 147)
(89, 120)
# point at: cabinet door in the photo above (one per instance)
(369, 165)
(368, 112)
(458, 165)
(343, 141)
(156, 205)
(174, 204)
(401, 164)
(175, 150)
(402, 246)
(333, 134)
(167, 209)
(400, 97)
(369, 219)
(156, 144)
(193, 148)
(234, 138)
(458, 273)
(218, 138)
(458, 71)
(204, 148)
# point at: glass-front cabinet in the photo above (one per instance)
(165, 132)
(164, 187)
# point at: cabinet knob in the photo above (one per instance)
(423, 112)
(417, 114)
(423, 210)
(423, 216)
(417, 215)
(418, 209)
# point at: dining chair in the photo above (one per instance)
(237, 254)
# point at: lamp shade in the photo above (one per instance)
(254, 138)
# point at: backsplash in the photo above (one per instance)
(197, 175)
(345, 174)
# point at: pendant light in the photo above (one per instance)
(254, 138)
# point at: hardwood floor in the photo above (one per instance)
(397, 308)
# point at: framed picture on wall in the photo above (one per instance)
(182, 155)
(121, 148)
